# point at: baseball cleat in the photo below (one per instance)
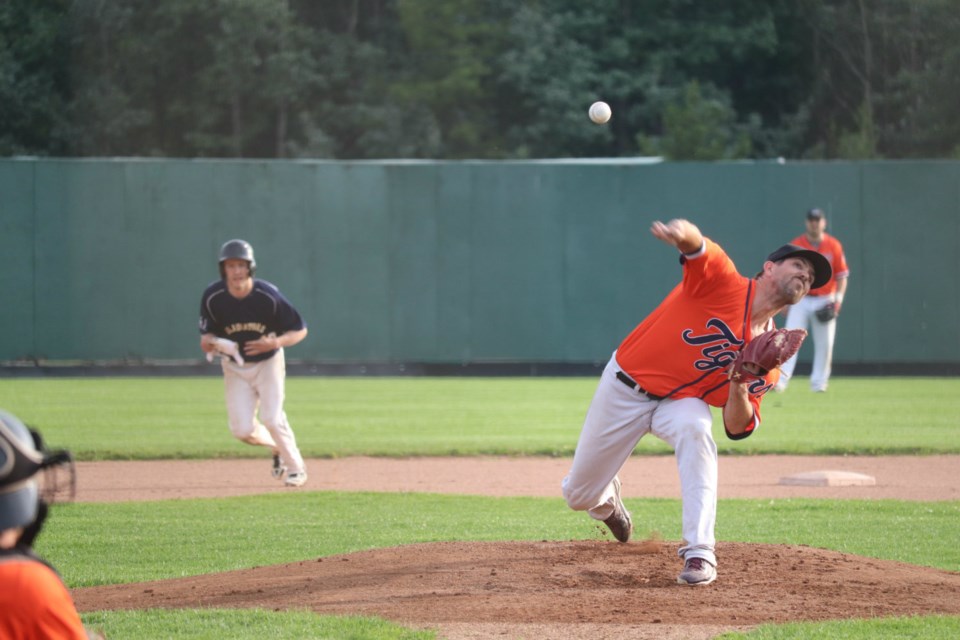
(278, 468)
(296, 479)
(619, 521)
(697, 571)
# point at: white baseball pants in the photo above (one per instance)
(260, 385)
(616, 420)
(803, 316)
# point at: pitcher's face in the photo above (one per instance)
(793, 276)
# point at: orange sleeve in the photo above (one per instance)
(35, 604)
(702, 273)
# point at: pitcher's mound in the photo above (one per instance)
(574, 583)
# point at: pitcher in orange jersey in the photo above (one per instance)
(669, 371)
(806, 313)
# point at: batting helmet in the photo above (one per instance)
(237, 250)
(19, 462)
(22, 457)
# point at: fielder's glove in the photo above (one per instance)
(765, 352)
(827, 312)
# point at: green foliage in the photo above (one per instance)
(451, 47)
(860, 144)
(697, 128)
(636, 56)
(478, 78)
(32, 77)
(882, 77)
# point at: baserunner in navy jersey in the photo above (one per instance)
(248, 322)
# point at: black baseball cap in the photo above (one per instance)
(821, 266)
(814, 214)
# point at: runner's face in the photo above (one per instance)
(238, 271)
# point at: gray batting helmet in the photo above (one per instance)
(19, 462)
(237, 250)
(24, 500)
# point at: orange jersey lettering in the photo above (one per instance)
(683, 348)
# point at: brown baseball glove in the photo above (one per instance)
(765, 352)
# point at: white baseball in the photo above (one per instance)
(600, 112)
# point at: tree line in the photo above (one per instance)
(488, 79)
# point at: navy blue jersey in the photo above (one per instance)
(263, 311)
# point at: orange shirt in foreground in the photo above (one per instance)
(683, 348)
(35, 604)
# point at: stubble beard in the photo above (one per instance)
(793, 292)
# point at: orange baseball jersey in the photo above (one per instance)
(683, 348)
(831, 248)
(34, 603)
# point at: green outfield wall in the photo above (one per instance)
(452, 262)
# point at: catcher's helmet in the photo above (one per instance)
(19, 462)
(237, 250)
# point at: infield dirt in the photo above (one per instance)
(549, 589)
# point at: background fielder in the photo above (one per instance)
(261, 321)
(819, 309)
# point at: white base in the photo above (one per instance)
(829, 479)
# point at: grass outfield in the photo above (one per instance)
(143, 418)
(139, 418)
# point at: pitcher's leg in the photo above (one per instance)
(685, 425)
(615, 422)
(270, 384)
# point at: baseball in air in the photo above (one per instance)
(600, 112)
